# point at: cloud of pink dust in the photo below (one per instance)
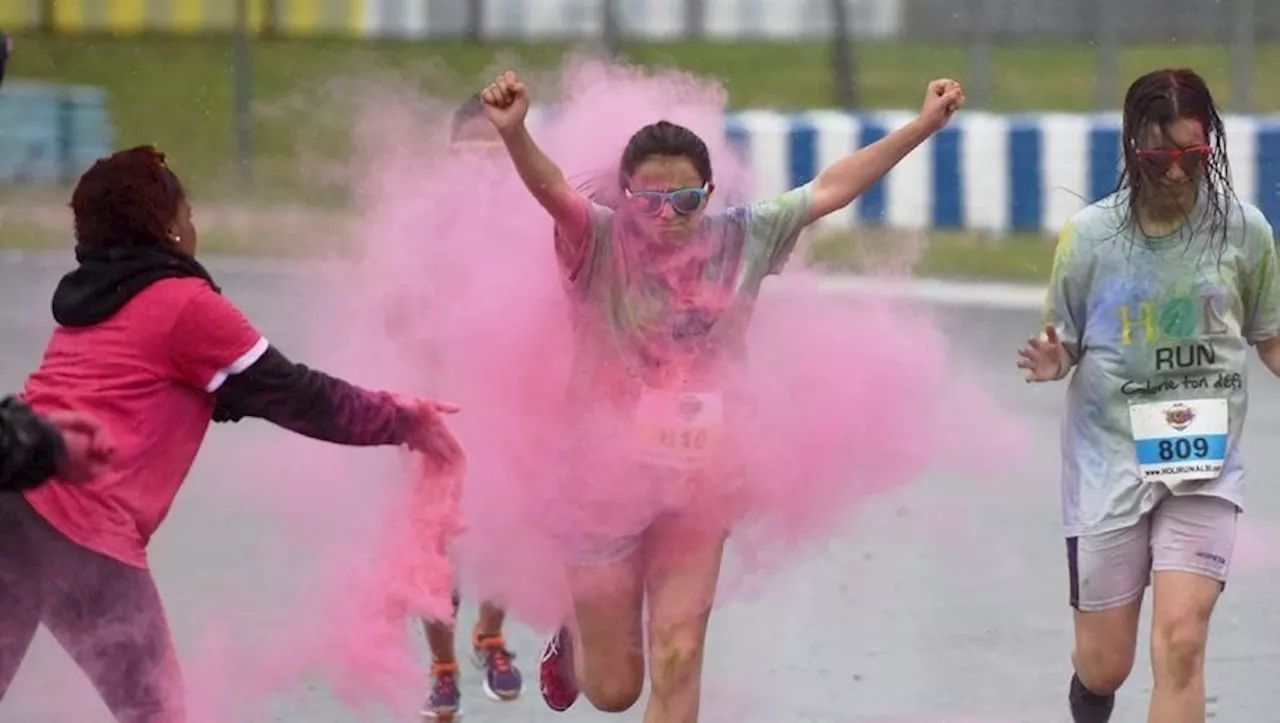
(456, 293)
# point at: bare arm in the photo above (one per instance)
(1269, 353)
(846, 179)
(546, 181)
(1259, 276)
(506, 105)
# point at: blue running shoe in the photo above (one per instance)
(502, 679)
(445, 702)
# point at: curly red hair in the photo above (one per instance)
(130, 197)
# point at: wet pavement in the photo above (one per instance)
(943, 601)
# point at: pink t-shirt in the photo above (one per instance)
(148, 373)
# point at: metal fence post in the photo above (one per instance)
(66, 137)
(1243, 36)
(475, 20)
(695, 20)
(978, 88)
(610, 32)
(844, 74)
(1107, 61)
(243, 72)
(270, 18)
(48, 24)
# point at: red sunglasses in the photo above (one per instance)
(1160, 160)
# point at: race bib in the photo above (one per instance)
(1180, 441)
(677, 429)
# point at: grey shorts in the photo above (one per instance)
(1192, 533)
(585, 544)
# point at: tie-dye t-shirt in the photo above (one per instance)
(1162, 330)
(665, 318)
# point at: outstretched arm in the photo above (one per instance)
(216, 349)
(1050, 356)
(546, 181)
(313, 404)
(846, 179)
(506, 105)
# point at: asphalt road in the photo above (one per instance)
(943, 601)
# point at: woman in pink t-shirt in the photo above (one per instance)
(146, 344)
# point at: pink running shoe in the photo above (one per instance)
(555, 673)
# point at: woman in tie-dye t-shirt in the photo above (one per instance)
(664, 293)
(1158, 292)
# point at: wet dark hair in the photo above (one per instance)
(471, 109)
(128, 198)
(1161, 98)
(663, 139)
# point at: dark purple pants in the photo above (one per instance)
(105, 614)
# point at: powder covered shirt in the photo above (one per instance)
(147, 373)
(647, 315)
(660, 336)
(1161, 329)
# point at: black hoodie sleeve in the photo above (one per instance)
(313, 404)
(30, 447)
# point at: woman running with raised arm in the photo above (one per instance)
(663, 294)
(1157, 293)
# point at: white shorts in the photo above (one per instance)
(1191, 533)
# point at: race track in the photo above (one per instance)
(945, 601)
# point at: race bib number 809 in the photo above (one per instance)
(1180, 441)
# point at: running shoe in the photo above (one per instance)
(555, 672)
(502, 679)
(445, 702)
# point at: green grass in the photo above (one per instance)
(947, 254)
(26, 235)
(178, 92)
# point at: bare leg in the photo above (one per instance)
(1106, 641)
(440, 636)
(1109, 573)
(683, 569)
(607, 642)
(1183, 604)
(491, 619)
(1192, 542)
(443, 703)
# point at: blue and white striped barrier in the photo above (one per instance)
(984, 172)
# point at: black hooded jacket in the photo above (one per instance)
(274, 388)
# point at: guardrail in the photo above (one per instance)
(986, 172)
(49, 133)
